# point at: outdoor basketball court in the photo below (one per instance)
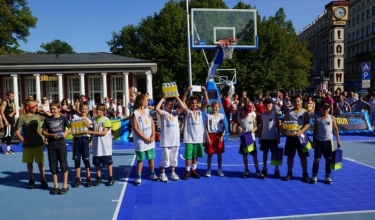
(351, 196)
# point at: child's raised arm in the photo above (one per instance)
(203, 107)
(183, 107)
(157, 108)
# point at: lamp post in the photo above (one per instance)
(321, 80)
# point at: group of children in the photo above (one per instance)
(269, 137)
(30, 129)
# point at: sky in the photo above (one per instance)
(87, 25)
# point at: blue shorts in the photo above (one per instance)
(324, 148)
(291, 145)
(102, 161)
(81, 148)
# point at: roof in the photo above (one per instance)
(77, 58)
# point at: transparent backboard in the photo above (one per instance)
(210, 25)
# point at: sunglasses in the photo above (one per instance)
(31, 107)
(44, 99)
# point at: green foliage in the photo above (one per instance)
(281, 62)
(15, 22)
(56, 47)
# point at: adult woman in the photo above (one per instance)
(44, 107)
(64, 109)
(310, 104)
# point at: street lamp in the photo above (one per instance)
(321, 80)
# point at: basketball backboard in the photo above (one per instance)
(209, 25)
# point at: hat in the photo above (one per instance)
(268, 100)
(325, 105)
(247, 109)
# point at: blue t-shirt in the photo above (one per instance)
(56, 126)
(150, 102)
(91, 105)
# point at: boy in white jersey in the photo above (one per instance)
(269, 135)
(215, 131)
(169, 136)
(143, 137)
(292, 143)
(322, 144)
(193, 134)
(247, 123)
(102, 145)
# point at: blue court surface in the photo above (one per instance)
(351, 196)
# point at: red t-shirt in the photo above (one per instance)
(227, 105)
(260, 109)
(328, 100)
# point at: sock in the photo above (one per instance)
(315, 169)
(194, 167)
(188, 168)
(139, 175)
(8, 148)
(172, 171)
(328, 169)
(152, 172)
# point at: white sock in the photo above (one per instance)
(188, 168)
(194, 166)
(8, 148)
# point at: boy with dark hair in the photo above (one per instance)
(32, 142)
(55, 130)
(81, 147)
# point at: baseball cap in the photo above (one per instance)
(325, 105)
(248, 109)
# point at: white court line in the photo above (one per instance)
(224, 165)
(115, 215)
(320, 214)
(354, 161)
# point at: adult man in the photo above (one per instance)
(318, 101)
(328, 99)
(8, 110)
(360, 105)
(278, 103)
(91, 107)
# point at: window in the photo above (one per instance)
(363, 47)
(368, 46)
(353, 51)
(8, 86)
(358, 34)
(349, 37)
(373, 45)
(368, 13)
(53, 91)
(117, 84)
(73, 88)
(349, 23)
(357, 19)
(373, 11)
(358, 51)
(30, 86)
(368, 29)
(363, 32)
(363, 16)
(354, 36)
(95, 88)
(353, 22)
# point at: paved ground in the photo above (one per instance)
(351, 196)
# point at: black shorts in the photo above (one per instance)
(81, 148)
(291, 145)
(254, 152)
(323, 148)
(56, 156)
(102, 161)
(269, 145)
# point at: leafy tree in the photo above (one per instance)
(15, 21)
(56, 47)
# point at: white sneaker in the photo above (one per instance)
(220, 172)
(163, 177)
(208, 173)
(174, 176)
(154, 177)
(138, 181)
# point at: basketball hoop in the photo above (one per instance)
(227, 45)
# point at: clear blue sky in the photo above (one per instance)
(88, 24)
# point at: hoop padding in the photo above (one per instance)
(227, 45)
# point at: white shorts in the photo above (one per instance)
(169, 156)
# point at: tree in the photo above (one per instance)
(56, 47)
(15, 21)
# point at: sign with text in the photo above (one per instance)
(44, 78)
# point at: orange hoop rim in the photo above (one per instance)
(226, 41)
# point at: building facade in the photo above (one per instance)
(359, 45)
(68, 76)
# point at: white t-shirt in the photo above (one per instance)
(193, 132)
(215, 123)
(144, 125)
(247, 124)
(170, 130)
(101, 145)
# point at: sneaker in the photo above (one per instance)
(163, 177)
(187, 175)
(97, 181)
(154, 177)
(63, 191)
(31, 184)
(111, 181)
(288, 176)
(10, 152)
(208, 173)
(314, 179)
(88, 184)
(277, 173)
(246, 174)
(195, 174)
(174, 176)
(220, 172)
(138, 181)
(54, 191)
(44, 184)
(264, 172)
(328, 179)
(259, 174)
(305, 178)
(77, 182)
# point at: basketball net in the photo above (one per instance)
(227, 45)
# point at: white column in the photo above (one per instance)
(149, 83)
(60, 84)
(104, 77)
(15, 91)
(37, 85)
(125, 98)
(82, 84)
